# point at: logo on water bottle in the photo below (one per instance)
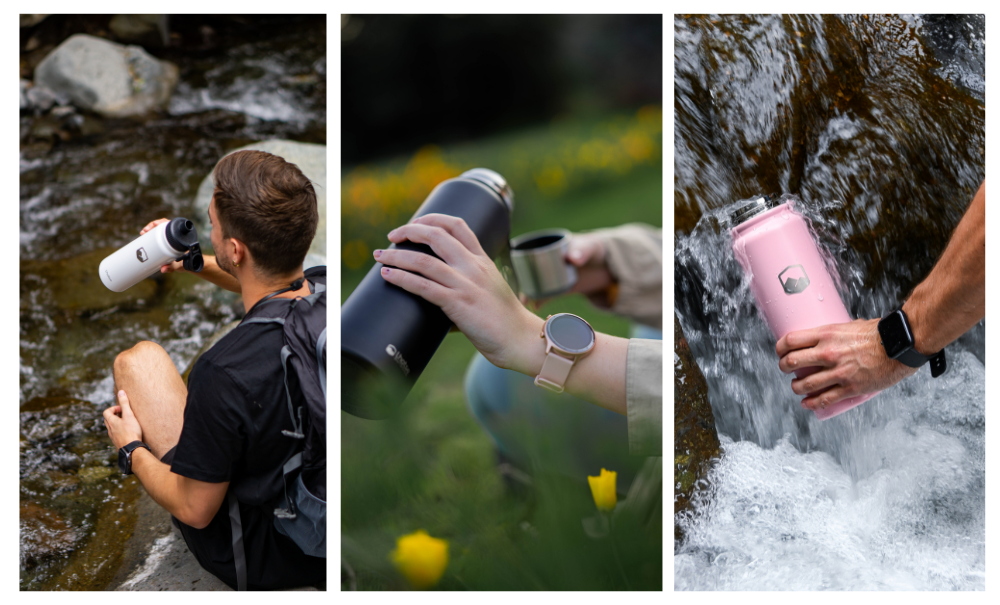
(398, 358)
(141, 255)
(793, 279)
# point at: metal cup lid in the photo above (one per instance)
(494, 181)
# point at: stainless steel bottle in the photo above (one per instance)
(388, 335)
(173, 240)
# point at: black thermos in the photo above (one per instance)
(387, 335)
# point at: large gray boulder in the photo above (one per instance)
(311, 160)
(107, 78)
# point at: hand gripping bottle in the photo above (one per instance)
(387, 335)
(788, 278)
(176, 239)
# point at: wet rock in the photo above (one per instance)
(25, 85)
(696, 441)
(44, 534)
(32, 20)
(41, 98)
(311, 160)
(148, 30)
(93, 566)
(107, 78)
(93, 474)
(958, 42)
(74, 284)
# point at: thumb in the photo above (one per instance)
(123, 401)
(581, 250)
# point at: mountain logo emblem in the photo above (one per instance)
(141, 255)
(794, 279)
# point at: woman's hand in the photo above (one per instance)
(467, 286)
(587, 255)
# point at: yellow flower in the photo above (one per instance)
(421, 558)
(603, 489)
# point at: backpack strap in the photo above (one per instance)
(286, 352)
(239, 556)
(320, 359)
(293, 464)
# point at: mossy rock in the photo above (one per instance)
(696, 441)
(75, 285)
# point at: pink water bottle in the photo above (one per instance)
(788, 277)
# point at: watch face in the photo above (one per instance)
(570, 333)
(895, 333)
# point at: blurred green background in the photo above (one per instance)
(584, 166)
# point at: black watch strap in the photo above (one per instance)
(915, 359)
(127, 452)
(938, 364)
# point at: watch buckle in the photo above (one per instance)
(548, 385)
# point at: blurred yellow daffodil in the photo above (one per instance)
(420, 558)
(603, 489)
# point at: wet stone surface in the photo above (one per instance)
(696, 442)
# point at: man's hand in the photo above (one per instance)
(838, 361)
(123, 428)
(171, 267)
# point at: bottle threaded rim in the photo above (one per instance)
(759, 205)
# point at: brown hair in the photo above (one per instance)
(269, 205)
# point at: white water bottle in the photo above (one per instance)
(176, 239)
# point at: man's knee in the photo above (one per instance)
(142, 354)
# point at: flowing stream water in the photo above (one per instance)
(87, 186)
(876, 124)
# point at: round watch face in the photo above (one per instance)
(570, 333)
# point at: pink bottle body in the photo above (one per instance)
(790, 281)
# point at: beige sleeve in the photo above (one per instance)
(634, 254)
(644, 397)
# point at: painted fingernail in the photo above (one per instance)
(121, 394)
(385, 270)
(417, 220)
(377, 253)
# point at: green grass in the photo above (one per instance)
(432, 467)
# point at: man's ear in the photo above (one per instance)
(240, 252)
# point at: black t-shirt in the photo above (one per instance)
(236, 410)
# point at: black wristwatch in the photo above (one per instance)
(897, 339)
(125, 456)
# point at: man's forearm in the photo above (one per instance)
(172, 491)
(953, 297)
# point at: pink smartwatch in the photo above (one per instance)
(567, 337)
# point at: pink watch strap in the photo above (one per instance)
(554, 372)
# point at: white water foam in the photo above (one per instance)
(781, 519)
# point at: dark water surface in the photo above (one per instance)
(876, 123)
(87, 186)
